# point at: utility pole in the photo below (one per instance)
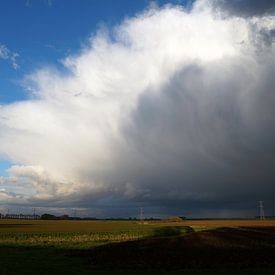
(261, 207)
(141, 214)
(33, 213)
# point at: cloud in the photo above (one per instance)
(246, 8)
(171, 109)
(6, 54)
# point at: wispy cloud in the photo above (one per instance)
(10, 56)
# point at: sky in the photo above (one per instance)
(165, 105)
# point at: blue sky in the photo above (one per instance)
(42, 32)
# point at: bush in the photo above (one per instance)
(175, 219)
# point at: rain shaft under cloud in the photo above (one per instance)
(171, 108)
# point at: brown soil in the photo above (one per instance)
(242, 247)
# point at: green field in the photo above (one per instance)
(44, 247)
(63, 247)
(80, 234)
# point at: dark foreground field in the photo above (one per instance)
(244, 247)
(222, 247)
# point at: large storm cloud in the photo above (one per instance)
(172, 110)
(246, 8)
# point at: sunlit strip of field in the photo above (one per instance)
(44, 226)
(229, 223)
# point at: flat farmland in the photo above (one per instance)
(105, 247)
(229, 223)
(46, 226)
(86, 234)
(82, 234)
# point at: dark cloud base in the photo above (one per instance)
(245, 8)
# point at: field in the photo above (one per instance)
(96, 247)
